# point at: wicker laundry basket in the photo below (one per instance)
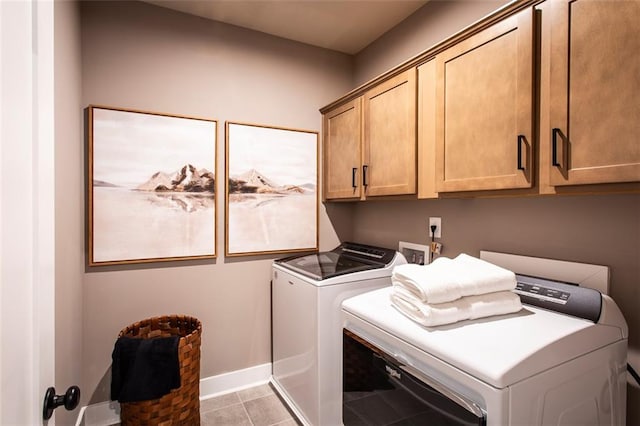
(180, 406)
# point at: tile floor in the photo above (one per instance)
(257, 406)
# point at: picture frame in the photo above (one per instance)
(151, 186)
(272, 198)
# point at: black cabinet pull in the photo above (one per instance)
(353, 177)
(364, 175)
(521, 139)
(554, 147)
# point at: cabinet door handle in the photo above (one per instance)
(353, 177)
(364, 175)
(554, 147)
(521, 139)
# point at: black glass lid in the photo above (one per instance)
(344, 259)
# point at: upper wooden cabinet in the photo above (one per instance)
(370, 142)
(389, 155)
(343, 151)
(594, 92)
(484, 109)
(541, 97)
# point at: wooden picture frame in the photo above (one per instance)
(151, 186)
(271, 189)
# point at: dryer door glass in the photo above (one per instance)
(377, 390)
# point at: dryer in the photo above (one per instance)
(560, 360)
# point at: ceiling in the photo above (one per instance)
(346, 26)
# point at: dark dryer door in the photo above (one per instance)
(380, 391)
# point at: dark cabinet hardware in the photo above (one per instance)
(353, 177)
(364, 175)
(70, 400)
(521, 140)
(554, 147)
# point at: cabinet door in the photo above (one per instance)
(484, 122)
(427, 130)
(389, 157)
(342, 151)
(595, 92)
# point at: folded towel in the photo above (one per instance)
(468, 307)
(144, 369)
(446, 280)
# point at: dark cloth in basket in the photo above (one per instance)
(144, 369)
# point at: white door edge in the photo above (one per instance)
(27, 233)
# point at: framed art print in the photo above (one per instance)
(272, 189)
(151, 186)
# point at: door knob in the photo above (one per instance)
(70, 400)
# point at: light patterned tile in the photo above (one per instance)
(218, 402)
(267, 410)
(255, 392)
(235, 415)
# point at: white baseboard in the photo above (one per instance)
(108, 412)
(234, 381)
(101, 414)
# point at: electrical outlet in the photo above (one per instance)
(414, 253)
(438, 223)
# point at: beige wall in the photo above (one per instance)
(429, 25)
(69, 202)
(602, 230)
(136, 55)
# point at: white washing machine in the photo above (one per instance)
(561, 360)
(307, 292)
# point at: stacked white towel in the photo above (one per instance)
(451, 290)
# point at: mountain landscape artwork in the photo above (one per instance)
(272, 197)
(152, 187)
